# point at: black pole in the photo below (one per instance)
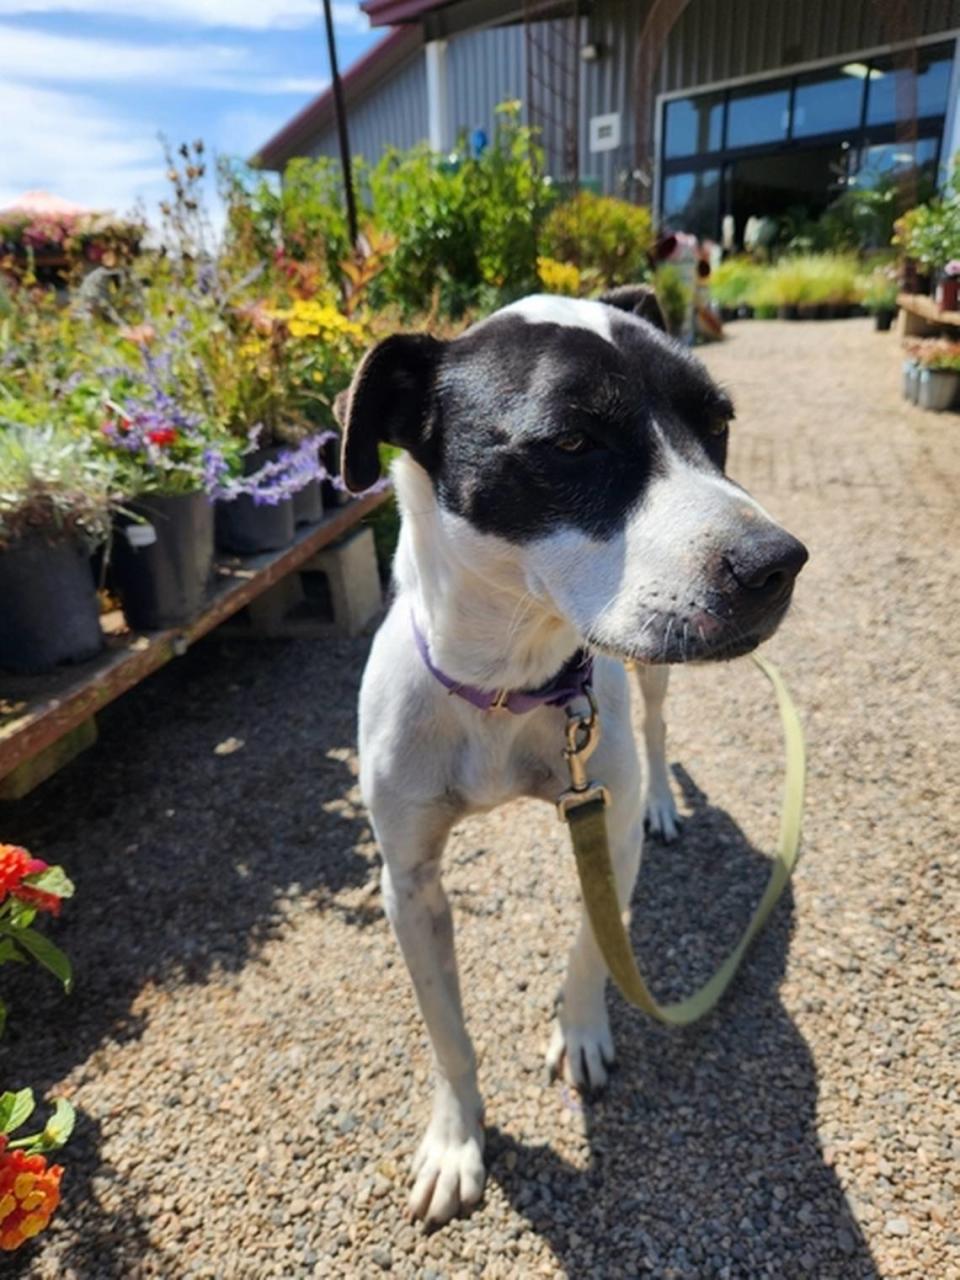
(340, 112)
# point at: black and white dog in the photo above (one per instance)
(562, 490)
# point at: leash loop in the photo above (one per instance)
(583, 736)
(583, 806)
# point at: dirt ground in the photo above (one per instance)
(242, 1046)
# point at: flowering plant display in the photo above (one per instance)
(29, 1187)
(28, 888)
(934, 353)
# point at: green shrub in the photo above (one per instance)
(806, 280)
(305, 217)
(465, 227)
(732, 281)
(602, 234)
(673, 295)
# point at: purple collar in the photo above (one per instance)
(570, 682)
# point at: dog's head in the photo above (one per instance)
(591, 448)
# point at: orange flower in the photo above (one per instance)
(15, 863)
(29, 1193)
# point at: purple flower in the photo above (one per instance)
(280, 478)
(953, 267)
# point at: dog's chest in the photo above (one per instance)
(496, 765)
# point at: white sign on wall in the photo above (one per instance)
(605, 132)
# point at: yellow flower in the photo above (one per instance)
(559, 277)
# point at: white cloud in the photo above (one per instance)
(77, 149)
(250, 15)
(30, 55)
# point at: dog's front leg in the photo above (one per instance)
(662, 817)
(581, 1047)
(448, 1168)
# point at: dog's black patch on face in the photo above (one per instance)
(543, 425)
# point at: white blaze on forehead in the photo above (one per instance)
(573, 313)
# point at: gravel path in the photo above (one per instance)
(243, 1048)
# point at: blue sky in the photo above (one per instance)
(87, 85)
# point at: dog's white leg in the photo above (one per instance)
(662, 817)
(582, 1046)
(448, 1169)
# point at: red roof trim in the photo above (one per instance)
(383, 13)
(374, 64)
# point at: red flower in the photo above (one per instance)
(29, 1193)
(163, 435)
(15, 863)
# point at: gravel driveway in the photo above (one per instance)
(242, 1046)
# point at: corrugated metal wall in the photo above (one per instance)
(712, 40)
(484, 68)
(395, 114)
(721, 40)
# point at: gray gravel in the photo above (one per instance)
(242, 1046)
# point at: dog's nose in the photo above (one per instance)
(767, 562)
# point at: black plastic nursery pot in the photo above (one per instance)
(162, 562)
(49, 606)
(883, 319)
(330, 457)
(248, 528)
(308, 503)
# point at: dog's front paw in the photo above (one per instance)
(662, 818)
(581, 1054)
(448, 1172)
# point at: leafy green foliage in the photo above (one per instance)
(53, 483)
(17, 1108)
(601, 234)
(930, 232)
(673, 295)
(464, 228)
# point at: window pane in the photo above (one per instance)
(757, 117)
(826, 103)
(890, 92)
(894, 158)
(693, 125)
(691, 202)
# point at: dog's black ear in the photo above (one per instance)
(640, 300)
(388, 403)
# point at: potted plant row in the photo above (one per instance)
(55, 499)
(931, 373)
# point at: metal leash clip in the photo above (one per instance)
(583, 735)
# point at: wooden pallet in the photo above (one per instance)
(920, 316)
(37, 712)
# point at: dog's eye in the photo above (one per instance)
(573, 442)
(718, 426)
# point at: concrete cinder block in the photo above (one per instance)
(269, 613)
(335, 592)
(350, 567)
(30, 773)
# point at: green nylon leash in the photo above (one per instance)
(588, 833)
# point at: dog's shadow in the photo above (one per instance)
(703, 1157)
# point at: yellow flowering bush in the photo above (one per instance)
(559, 277)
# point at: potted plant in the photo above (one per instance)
(939, 361)
(948, 290)
(169, 459)
(879, 296)
(54, 510)
(278, 381)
